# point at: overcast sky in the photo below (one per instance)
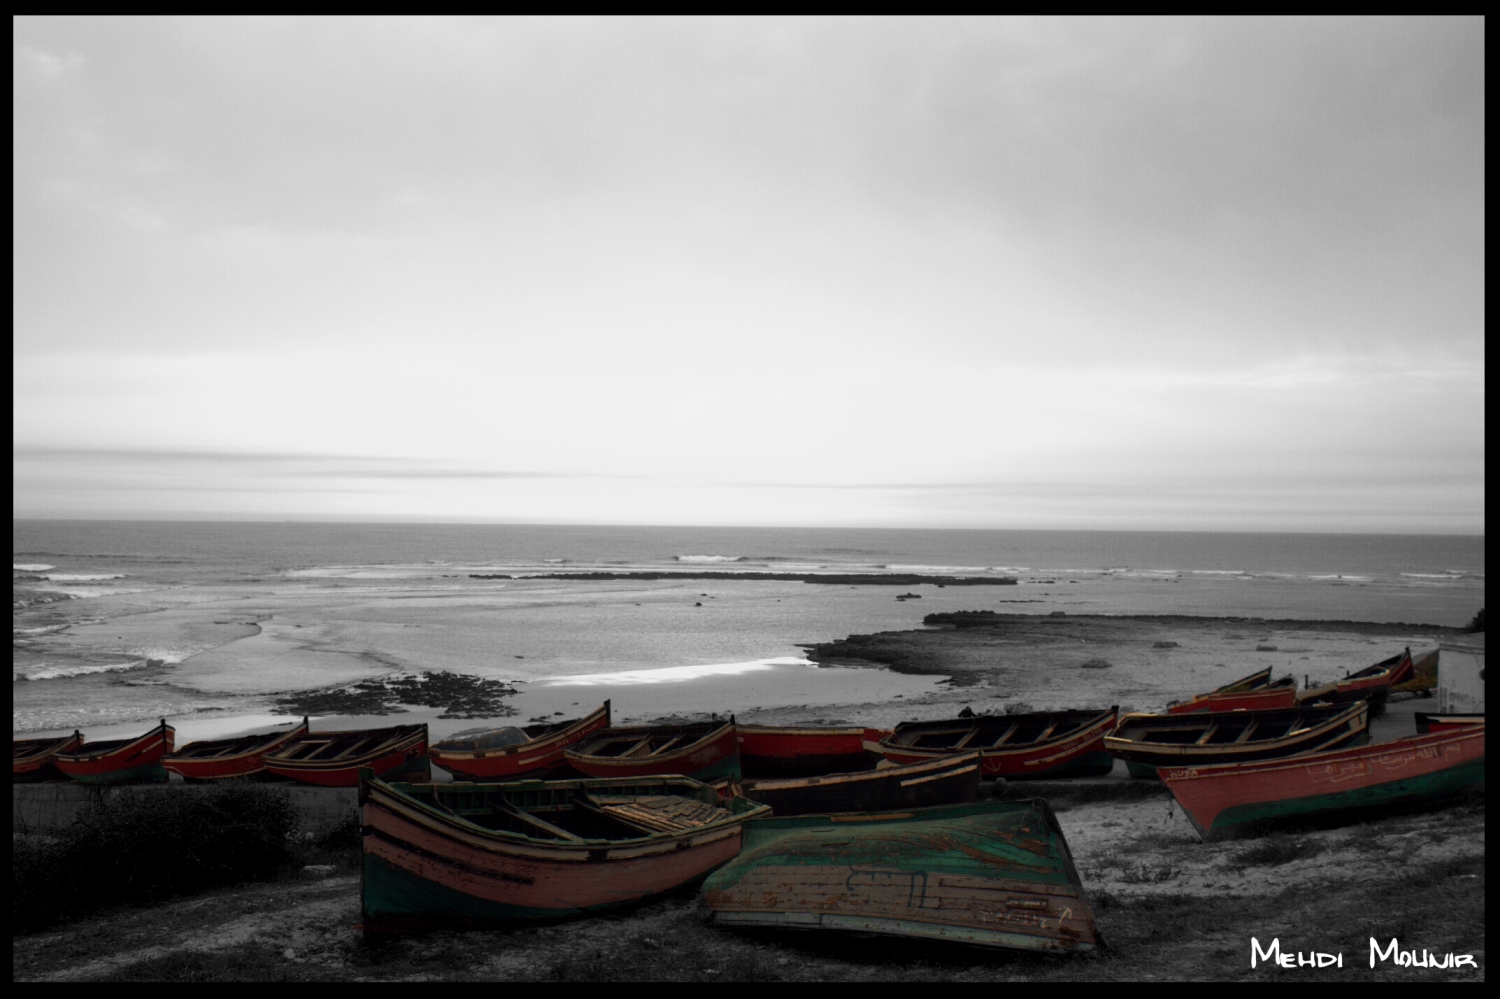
(1181, 274)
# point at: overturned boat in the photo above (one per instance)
(995, 873)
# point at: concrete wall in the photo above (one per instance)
(45, 807)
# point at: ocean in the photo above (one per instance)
(117, 623)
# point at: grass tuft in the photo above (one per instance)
(151, 845)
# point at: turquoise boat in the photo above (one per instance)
(994, 873)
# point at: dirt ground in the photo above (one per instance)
(1169, 906)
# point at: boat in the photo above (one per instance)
(1146, 742)
(1255, 692)
(516, 753)
(32, 760)
(804, 751)
(1432, 722)
(1045, 744)
(1373, 684)
(218, 759)
(120, 761)
(948, 780)
(334, 759)
(465, 854)
(1412, 770)
(705, 751)
(992, 873)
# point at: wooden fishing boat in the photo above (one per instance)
(333, 759)
(120, 761)
(1146, 742)
(1373, 684)
(993, 873)
(1045, 744)
(494, 854)
(32, 760)
(1408, 771)
(949, 780)
(1255, 692)
(218, 759)
(1431, 722)
(805, 751)
(705, 751)
(517, 753)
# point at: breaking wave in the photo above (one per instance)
(82, 577)
(710, 558)
(31, 567)
(44, 672)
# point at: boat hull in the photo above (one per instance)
(995, 874)
(244, 764)
(1409, 771)
(422, 870)
(802, 752)
(1429, 722)
(949, 781)
(403, 760)
(1081, 754)
(1336, 730)
(35, 760)
(709, 759)
(137, 762)
(547, 757)
(1264, 699)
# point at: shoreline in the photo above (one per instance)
(828, 578)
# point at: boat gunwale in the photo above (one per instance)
(258, 749)
(114, 747)
(1086, 729)
(1121, 747)
(391, 745)
(898, 771)
(676, 753)
(438, 753)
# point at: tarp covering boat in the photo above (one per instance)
(484, 854)
(995, 873)
(516, 753)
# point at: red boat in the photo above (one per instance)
(1255, 692)
(1416, 769)
(32, 760)
(120, 761)
(333, 759)
(220, 758)
(1429, 722)
(705, 752)
(535, 751)
(1043, 744)
(803, 751)
(1373, 684)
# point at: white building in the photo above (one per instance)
(1460, 678)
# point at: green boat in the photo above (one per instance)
(993, 873)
